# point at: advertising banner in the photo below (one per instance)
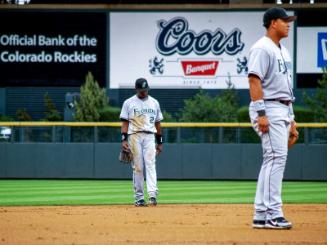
(311, 49)
(52, 48)
(184, 49)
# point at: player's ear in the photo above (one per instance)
(273, 23)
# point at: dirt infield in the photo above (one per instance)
(164, 224)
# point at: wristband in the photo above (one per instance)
(159, 139)
(259, 105)
(124, 136)
(261, 113)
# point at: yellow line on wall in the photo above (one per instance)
(164, 124)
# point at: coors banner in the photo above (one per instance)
(183, 50)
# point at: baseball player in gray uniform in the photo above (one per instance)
(271, 113)
(141, 133)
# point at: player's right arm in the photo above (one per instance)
(124, 135)
(256, 94)
(124, 126)
(258, 67)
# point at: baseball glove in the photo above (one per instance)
(294, 135)
(125, 156)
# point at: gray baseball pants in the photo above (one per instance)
(268, 201)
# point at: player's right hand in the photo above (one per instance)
(124, 145)
(263, 124)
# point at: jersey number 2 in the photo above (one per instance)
(151, 119)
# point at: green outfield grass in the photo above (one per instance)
(97, 192)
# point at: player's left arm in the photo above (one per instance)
(157, 124)
(159, 139)
(294, 134)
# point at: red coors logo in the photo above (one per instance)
(199, 68)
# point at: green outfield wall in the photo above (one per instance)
(178, 161)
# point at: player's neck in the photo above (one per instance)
(142, 98)
(275, 38)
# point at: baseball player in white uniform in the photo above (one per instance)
(272, 117)
(141, 133)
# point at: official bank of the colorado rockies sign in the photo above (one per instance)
(59, 52)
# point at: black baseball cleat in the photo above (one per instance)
(140, 203)
(258, 224)
(278, 223)
(152, 201)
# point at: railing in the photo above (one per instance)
(173, 132)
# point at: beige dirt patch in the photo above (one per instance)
(164, 224)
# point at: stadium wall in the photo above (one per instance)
(2, 101)
(178, 161)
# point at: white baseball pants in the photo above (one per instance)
(143, 148)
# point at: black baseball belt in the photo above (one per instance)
(285, 102)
